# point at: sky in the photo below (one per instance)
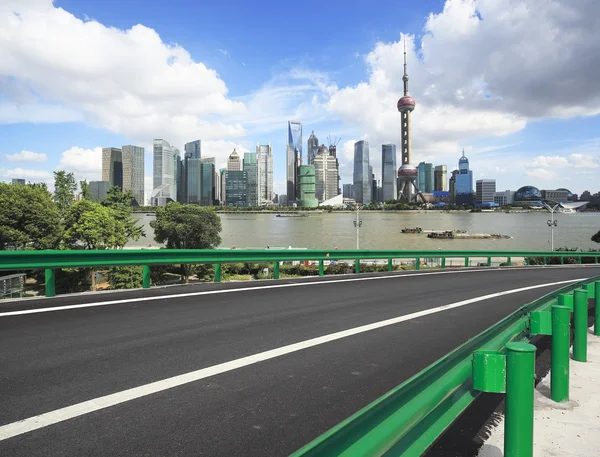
(513, 83)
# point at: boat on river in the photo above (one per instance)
(447, 235)
(291, 215)
(412, 230)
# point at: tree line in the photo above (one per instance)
(32, 217)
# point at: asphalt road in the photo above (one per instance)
(56, 358)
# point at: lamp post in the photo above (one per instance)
(552, 223)
(357, 224)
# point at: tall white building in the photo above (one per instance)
(133, 171)
(326, 175)
(165, 159)
(264, 157)
(234, 161)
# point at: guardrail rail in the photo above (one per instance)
(51, 260)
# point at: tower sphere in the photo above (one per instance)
(406, 103)
(407, 170)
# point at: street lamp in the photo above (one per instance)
(552, 223)
(357, 224)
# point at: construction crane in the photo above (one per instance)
(335, 142)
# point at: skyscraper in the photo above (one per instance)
(440, 178)
(264, 157)
(251, 169)
(234, 162)
(112, 166)
(18, 181)
(361, 175)
(193, 150)
(388, 172)
(313, 147)
(133, 171)
(306, 187)
(326, 175)
(236, 188)
(165, 158)
(407, 173)
(464, 182)
(425, 177)
(293, 158)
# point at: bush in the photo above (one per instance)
(126, 277)
(72, 280)
(205, 271)
(159, 274)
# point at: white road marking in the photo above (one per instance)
(86, 407)
(241, 289)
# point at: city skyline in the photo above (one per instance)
(343, 89)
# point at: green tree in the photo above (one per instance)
(596, 237)
(86, 194)
(29, 219)
(187, 227)
(121, 204)
(89, 225)
(64, 190)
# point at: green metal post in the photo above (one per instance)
(321, 268)
(527, 261)
(443, 262)
(417, 264)
(390, 265)
(146, 276)
(597, 308)
(217, 272)
(489, 263)
(545, 260)
(561, 344)
(566, 300)
(562, 260)
(276, 270)
(357, 266)
(50, 282)
(520, 377)
(581, 325)
(508, 261)
(466, 261)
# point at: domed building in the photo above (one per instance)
(527, 195)
(569, 193)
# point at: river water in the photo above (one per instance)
(381, 230)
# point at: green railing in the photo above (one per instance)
(409, 419)
(51, 260)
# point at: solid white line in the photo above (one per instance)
(86, 407)
(241, 289)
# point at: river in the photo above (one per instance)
(381, 230)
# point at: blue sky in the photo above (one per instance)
(512, 84)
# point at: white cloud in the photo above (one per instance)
(542, 173)
(584, 161)
(27, 175)
(26, 156)
(555, 169)
(128, 81)
(83, 163)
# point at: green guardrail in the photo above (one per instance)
(51, 260)
(409, 419)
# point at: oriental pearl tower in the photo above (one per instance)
(407, 173)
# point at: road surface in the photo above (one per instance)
(238, 369)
